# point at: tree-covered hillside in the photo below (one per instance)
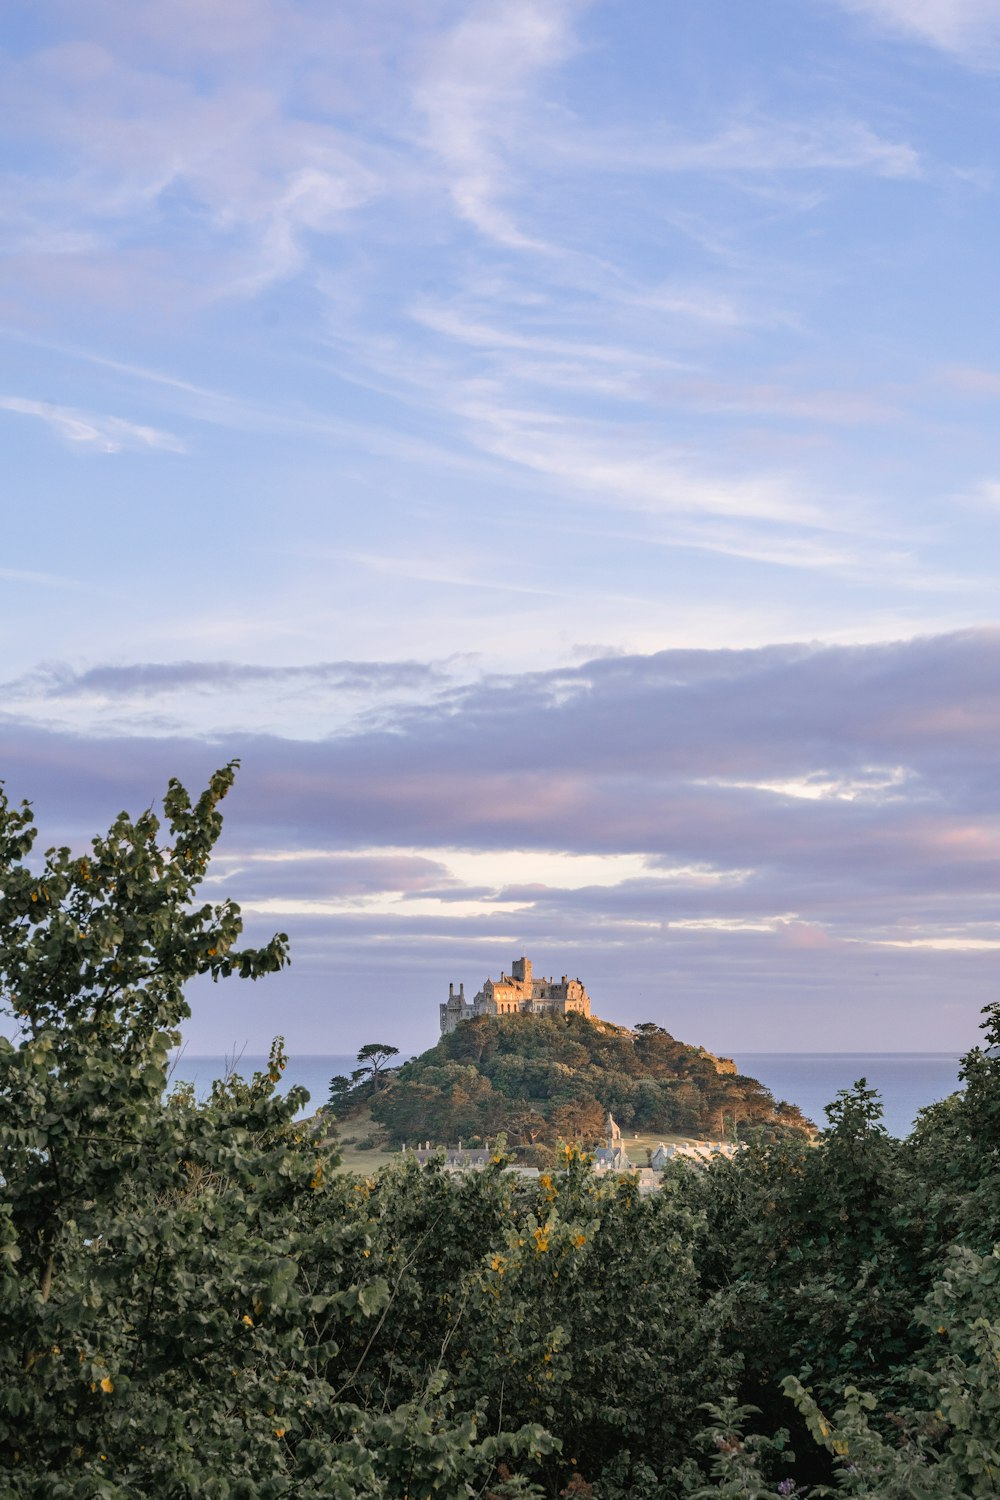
(540, 1079)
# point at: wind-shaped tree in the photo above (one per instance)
(366, 1079)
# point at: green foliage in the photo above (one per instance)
(955, 1152)
(817, 1254)
(742, 1466)
(174, 1296)
(541, 1079)
(588, 1320)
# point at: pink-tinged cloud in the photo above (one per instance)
(791, 810)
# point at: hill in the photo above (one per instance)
(540, 1079)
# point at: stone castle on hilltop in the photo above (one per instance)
(516, 993)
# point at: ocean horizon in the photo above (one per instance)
(906, 1081)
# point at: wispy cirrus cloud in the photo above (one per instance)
(753, 144)
(450, 322)
(477, 83)
(104, 434)
(969, 29)
(276, 156)
(638, 473)
(507, 387)
(847, 406)
(257, 180)
(38, 578)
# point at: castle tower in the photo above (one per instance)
(520, 970)
(456, 1008)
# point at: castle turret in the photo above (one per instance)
(456, 1008)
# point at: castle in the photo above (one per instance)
(516, 993)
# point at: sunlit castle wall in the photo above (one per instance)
(518, 993)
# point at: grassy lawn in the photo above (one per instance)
(636, 1146)
(358, 1127)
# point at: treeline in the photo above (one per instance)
(196, 1302)
(540, 1080)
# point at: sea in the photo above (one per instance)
(906, 1081)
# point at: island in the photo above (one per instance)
(527, 1059)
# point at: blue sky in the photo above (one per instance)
(555, 446)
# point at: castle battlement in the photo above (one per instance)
(516, 993)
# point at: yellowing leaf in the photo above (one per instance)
(107, 1385)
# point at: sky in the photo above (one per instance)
(554, 446)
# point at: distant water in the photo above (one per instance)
(907, 1081)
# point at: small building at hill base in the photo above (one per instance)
(613, 1156)
(516, 993)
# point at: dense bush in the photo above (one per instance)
(196, 1302)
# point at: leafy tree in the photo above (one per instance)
(173, 1296)
(533, 1133)
(341, 1094)
(94, 955)
(347, 1094)
(581, 1119)
(372, 1059)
